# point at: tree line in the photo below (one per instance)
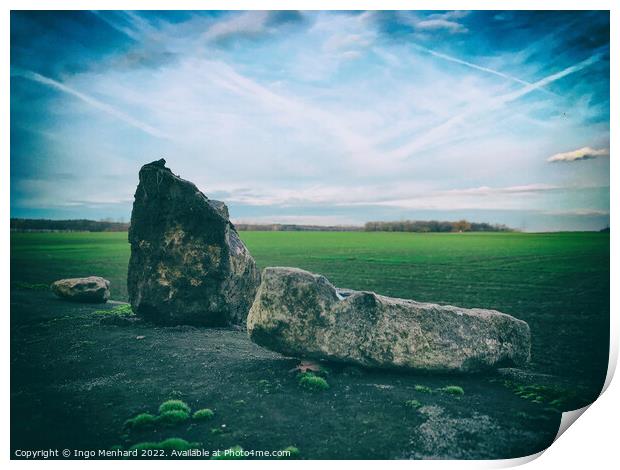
(84, 225)
(78, 225)
(434, 226)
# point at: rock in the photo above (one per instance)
(93, 289)
(188, 264)
(301, 314)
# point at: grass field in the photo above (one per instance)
(557, 282)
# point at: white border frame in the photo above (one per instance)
(591, 442)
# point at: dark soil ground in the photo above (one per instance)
(76, 379)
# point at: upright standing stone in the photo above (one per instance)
(188, 264)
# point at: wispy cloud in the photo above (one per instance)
(305, 219)
(579, 213)
(305, 114)
(244, 24)
(470, 116)
(482, 197)
(584, 153)
(93, 102)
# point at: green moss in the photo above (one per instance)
(119, 311)
(216, 431)
(174, 405)
(414, 404)
(553, 396)
(292, 451)
(141, 421)
(423, 389)
(173, 417)
(233, 453)
(204, 414)
(176, 443)
(312, 382)
(453, 390)
(172, 443)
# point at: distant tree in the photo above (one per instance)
(462, 226)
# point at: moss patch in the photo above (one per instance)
(557, 397)
(312, 382)
(173, 417)
(174, 405)
(203, 415)
(413, 404)
(172, 443)
(141, 421)
(453, 390)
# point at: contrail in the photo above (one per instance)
(552, 78)
(122, 29)
(456, 60)
(437, 133)
(95, 103)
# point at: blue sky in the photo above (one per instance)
(317, 117)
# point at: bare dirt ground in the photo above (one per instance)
(76, 379)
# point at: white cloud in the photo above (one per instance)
(584, 153)
(246, 23)
(400, 195)
(439, 24)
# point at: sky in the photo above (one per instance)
(328, 118)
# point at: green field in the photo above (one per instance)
(557, 282)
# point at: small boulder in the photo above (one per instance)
(301, 314)
(188, 264)
(93, 289)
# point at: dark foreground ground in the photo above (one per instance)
(79, 380)
(75, 380)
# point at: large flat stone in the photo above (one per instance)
(301, 314)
